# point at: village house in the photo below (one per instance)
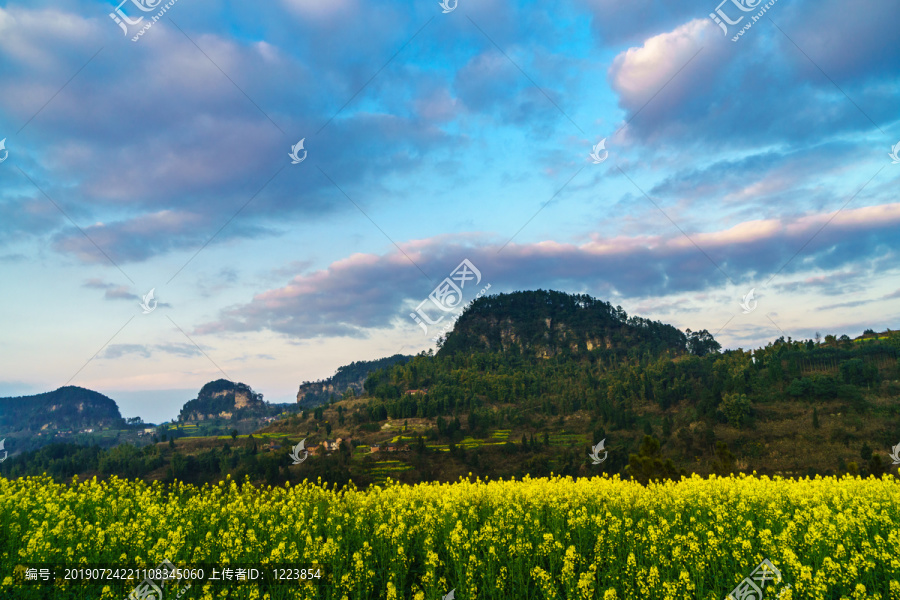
(396, 448)
(375, 448)
(332, 445)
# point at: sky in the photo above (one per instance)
(294, 179)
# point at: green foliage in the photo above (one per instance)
(348, 380)
(724, 461)
(876, 466)
(529, 322)
(736, 408)
(648, 464)
(701, 343)
(866, 451)
(69, 407)
(218, 396)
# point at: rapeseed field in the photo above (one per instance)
(558, 538)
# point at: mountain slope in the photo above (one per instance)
(547, 323)
(352, 376)
(68, 407)
(225, 400)
(506, 408)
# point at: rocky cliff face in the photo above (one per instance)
(323, 388)
(223, 399)
(544, 324)
(352, 376)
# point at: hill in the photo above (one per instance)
(223, 399)
(67, 408)
(547, 323)
(519, 396)
(348, 377)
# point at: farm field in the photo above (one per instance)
(600, 538)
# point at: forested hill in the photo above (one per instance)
(68, 407)
(348, 377)
(224, 399)
(521, 362)
(546, 352)
(548, 323)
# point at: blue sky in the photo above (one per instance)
(431, 137)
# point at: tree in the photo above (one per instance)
(686, 438)
(234, 434)
(815, 423)
(171, 442)
(865, 452)
(853, 372)
(327, 428)
(724, 461)
(736, 408)
(701, 343)
(648, 464)
(876, 467)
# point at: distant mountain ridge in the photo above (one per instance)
(315, 393)
(69, 407)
